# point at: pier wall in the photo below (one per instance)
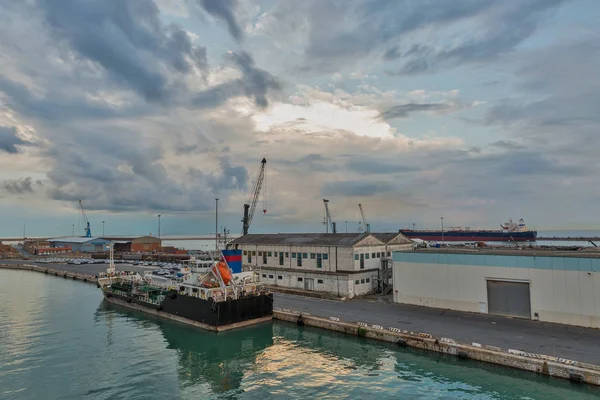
(563, 290)
(513, 358)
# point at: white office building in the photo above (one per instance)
(343, 264)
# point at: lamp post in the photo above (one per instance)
(102, 228)
(159, 226)
(216, 225)
(442, 218)
(73, 230)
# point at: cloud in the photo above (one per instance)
(21, 186)
(356, 188)
(128, 40)
(402, 111)
(224, 10)
(374, 166)
(9, 140)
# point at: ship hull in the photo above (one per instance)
(471, 236)
(205, 314)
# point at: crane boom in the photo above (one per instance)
(366, 226)
(88, 230)
(328, 220)
(253, 198)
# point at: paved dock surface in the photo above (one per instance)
(89, 269)
(570, 342)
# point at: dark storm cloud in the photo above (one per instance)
(224, 10)
(255, 83)
(350, 30)
(9, 140)
(21, 186)
(128, 39)
(356, 188)
(508, 145)
(402, 111)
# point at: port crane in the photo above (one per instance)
(88, 230)
(250, 205)
(365, 225)
(327, 220)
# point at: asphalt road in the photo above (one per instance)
(570, 342)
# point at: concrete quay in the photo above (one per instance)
(538, 363)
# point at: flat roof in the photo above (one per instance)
(313, 239)
(586, 252)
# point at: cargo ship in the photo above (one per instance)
(510, 231)
(213, 294)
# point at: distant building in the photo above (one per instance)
(46, 251)
(31, 245)
(80, 244)
(547, 286)
(344, 264)
(146, 244)
(7, 250)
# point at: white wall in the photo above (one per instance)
(557, 295)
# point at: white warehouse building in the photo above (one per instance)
(343, 264)
(558, 287)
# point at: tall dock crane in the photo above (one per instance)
(328, 221)
(250, 206)
(365, 225)
(88, 230)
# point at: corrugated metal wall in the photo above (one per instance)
(509, 298)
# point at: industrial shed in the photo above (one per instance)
(344, 264)
(80, 244)
(146, 244)
(547, 286)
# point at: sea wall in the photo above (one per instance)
(513, 358)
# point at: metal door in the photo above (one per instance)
(509, 298)
(309, 284)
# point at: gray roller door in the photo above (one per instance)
(509, 298)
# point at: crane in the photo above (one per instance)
(88, 230)
(327, 220)
(250, 205)
(365, 226)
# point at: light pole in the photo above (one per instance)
(442, 218)
(346, 226)
(159, 226)
(217, 225)
(73, 233)
(102, 228)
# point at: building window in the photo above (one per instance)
(287, 255)
(280, 258)
(324, 256)
(320, 281)
(319, 261)
(293, 255)
(356, 282)
(245, 252)
(264, 275)
(362, 281)
(389, 254)
(372, 255)
(270, 254)
(299, 279)
(299, 260)
(366, 256)
(249, 258)
(270, 276)
(378, 255)
(254, 253)
(356, 257)
(312, 256)
(368, 280)
(304, 255)
(264, 257)
(260, 253)
(279, 277)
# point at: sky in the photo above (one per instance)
(471, 110)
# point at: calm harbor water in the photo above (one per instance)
(60, 340)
